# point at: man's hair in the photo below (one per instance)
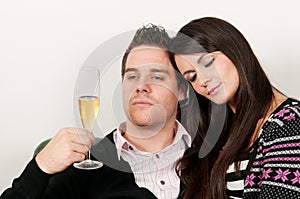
(150, 35)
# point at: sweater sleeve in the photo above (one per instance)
(275, 172)
(280, 173)
(31, 184)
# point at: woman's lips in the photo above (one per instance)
(214, 90)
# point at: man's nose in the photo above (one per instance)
(143, 86)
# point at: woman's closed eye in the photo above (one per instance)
(207, 61)
(190, 76)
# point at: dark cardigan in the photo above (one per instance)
(113, 180)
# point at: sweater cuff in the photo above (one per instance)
(33, 179)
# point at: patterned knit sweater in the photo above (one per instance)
(275, 170)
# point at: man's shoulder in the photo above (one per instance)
(106, 152)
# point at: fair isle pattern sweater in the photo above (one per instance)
(275, 170)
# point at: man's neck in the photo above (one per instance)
(150, 138)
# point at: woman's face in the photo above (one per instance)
(212, 75)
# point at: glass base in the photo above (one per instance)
(88, 164)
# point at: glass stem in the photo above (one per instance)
(89, 151)
(89, 155)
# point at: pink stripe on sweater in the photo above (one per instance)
(278, 159)
(281, 146)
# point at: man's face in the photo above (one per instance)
(150, 93)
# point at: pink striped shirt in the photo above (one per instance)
(155, 171)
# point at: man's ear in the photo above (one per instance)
(182, 92)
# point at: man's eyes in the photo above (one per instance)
(132, 76)
(150, 78)
(157, 78)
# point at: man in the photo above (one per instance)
(139, 157)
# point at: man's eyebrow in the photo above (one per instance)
(131, 70)
(152, 70)
(159, 70)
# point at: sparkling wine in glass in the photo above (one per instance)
(88, 94)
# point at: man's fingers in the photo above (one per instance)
(80, 148)
(78, 157)
(83, 139)
(80, 136)
(69, 145)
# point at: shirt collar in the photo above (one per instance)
(122, 143)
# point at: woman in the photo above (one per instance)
(257, 153)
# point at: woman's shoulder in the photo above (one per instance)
(287, 112)
(283, 122)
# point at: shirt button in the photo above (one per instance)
(157, 156)
(162, 182)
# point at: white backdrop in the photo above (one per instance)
(44, 44)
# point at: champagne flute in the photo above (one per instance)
(88, 94)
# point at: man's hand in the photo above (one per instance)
(68, 146)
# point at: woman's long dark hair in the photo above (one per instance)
(205, 177)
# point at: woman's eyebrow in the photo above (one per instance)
(200, 58)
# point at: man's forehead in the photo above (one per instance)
(148, 55)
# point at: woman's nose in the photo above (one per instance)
(203, 81)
